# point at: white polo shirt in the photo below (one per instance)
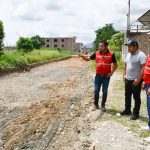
(133, 64)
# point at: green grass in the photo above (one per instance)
(144, 134)
(133, 126)
(120, 65)
(13, 58)
(93, 65)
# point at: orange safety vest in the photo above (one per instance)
(103, 62)
(146, 72)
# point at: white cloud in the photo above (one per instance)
(34, 10)
(65, 17)
(25, 11)
(52, 5)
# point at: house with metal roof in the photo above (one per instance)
(140, 33)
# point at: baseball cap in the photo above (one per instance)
(132, 43)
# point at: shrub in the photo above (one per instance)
(25, 44)
(2, 34)
(37, 41)
(59, 49)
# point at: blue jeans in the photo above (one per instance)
(148, 103)
(104, 81)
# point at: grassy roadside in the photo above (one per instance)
(14, 58)
(116, 105)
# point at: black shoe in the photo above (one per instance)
(149, 123)
(134, 117)
(125, 113)
(103, 108)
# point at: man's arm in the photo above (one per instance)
(138, 79)
(86, 58)
(114, 67)
(124, 73)
(142, 62)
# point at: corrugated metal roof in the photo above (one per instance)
(145, 19)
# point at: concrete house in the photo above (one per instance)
(142, 34)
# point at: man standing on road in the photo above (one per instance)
(104, 70)
(134, 64)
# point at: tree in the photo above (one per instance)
(117, 41)
(104, 33)
(37, 41)
(2, 35)
(24, 44)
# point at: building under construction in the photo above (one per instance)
(64, 43)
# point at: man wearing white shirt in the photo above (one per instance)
(134, 64)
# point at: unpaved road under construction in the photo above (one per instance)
(49, 108)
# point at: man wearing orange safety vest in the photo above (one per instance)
(104, 70)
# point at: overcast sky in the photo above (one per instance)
(78, 18)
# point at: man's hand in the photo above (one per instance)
(80, 55)
(143, 85)
(124, 78)
(136, 82)
(84, 57)
(148, 92)
(110, 74)
(114, 67)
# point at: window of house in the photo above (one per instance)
(55, 40)
(47, 40)
(55, 45)
(47, 45)
(62, 45)
(62, 40)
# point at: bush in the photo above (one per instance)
(37, 41)
(118, 56)
(59, 49)
(2, 35)
(25, 44)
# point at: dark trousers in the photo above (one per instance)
(101, 80)
(136, 92)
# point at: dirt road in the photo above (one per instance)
(49, 108)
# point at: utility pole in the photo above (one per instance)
(128, 17)
(127, 33)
